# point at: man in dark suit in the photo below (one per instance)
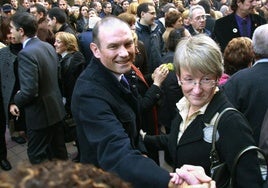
(106, 111)
(247, 89)
(241, 23)
(39, 93)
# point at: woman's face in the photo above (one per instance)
(59, 46)
(198, 88)
(84, 11)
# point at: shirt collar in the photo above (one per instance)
(263, 60)
(25, 42)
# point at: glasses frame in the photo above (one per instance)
(202, 83)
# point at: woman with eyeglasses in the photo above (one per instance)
(199, 65)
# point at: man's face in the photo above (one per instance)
(26, 4)
(51, 23)
(62, 4)
(246, 7)
(47, 5)
(34, 12)
(198, 20)
(125, 5)
(14, 3)
(98, 7)
(16, 35)
(108, 9)
(116, 50)
(148, 18)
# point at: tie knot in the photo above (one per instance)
(124, 82)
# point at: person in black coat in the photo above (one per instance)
(198, 64)
(247, 88)
(72, 63)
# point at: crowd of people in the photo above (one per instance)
(134, 77)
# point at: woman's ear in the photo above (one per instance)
(178, 78)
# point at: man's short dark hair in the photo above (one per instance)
(26, 21)
(143, 7)
(59, 14)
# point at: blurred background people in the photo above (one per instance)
(44, 32)
(198, 19)
(173, 20)
(82, 20)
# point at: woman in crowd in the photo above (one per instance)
(82, 20)
(198, 65)
(238, 55)
(72, 63)
(173, 20)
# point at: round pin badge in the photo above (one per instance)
(235, 30)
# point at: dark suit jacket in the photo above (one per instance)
(247, 91)
(105, 113)
(226, 28)
(7, 77)
(39, 90)
(194, 147)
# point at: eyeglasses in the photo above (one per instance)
(198, 18)
(204, 83)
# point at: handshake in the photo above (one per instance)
(189, 176)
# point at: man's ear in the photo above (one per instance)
(95, 49)
(21, 30)
(142, 13)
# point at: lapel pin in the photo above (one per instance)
(234, 30)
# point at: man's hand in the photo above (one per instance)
(14, 110)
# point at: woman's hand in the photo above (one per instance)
(159, 75)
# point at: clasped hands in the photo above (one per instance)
(189, 176)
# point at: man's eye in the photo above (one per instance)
(129, 44)
(188, 79)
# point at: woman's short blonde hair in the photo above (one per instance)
(69, 40)
(199, 54)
